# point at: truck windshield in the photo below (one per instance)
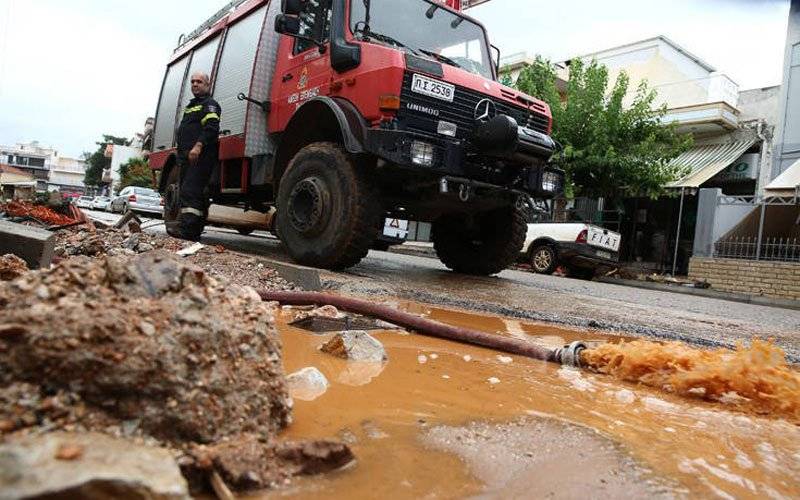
(425, 28)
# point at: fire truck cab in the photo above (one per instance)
(339, 113)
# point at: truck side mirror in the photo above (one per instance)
(287, 25)
(293, 7)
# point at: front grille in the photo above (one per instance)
(461, 111)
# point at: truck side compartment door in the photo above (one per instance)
(302, 72)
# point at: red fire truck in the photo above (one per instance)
(340, 113)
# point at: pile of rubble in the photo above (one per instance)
(111, 241)
(150, 349)
(39, 213)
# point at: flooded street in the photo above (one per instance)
(443, 420)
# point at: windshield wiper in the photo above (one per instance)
(440, 57)
(387, 39)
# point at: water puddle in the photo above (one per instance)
(415, 423)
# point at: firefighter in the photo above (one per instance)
(198, 153)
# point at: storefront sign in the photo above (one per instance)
(745, 168)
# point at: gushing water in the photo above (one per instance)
(755, 378)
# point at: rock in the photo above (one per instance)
(493, 380)
(249, 464)
(307, 384)
(105, 468)
(355, 345)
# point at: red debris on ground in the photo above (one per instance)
(38, 212)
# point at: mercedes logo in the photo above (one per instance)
(485, 111)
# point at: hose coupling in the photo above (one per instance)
(570, 355)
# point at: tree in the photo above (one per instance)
(96, 162)
(135, 172)
(611, 148)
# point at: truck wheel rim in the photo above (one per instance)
(308, 203)
(542, 260)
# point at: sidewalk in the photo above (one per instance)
(705, 292)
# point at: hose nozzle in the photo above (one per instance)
(570, 355)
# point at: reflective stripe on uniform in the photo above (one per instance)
(193, 109)
(210, 116)
(189, 210)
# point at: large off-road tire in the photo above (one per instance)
(172, 203)
(482, 244)
(327, 208)
(544, 259)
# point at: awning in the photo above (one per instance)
(708, 160)
(787, 183)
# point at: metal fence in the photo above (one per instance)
(771, 249)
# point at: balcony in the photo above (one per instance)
(701, 106)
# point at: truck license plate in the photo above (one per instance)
(433, 88)
(604, 255)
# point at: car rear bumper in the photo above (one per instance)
(152, 209)
(582, 255)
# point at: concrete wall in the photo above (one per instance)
(715, 221)
(678, 77)
(769, 279)
(787, 137)
(760, 104)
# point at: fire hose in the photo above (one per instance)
(569, 355)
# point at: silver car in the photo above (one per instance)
(138, 199)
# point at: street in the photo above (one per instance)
(589, 304)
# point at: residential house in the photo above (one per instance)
(51, 171)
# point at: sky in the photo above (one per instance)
(72, 70)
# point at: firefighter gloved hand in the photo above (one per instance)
(194, 153)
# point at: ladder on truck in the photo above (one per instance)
(208, 23)
(231, 6)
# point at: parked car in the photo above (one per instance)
(582, 248)
(84, 202)
(138, 199)
(101, 203)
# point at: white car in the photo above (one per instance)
(581, 247)
(101, 203)
(84, 202)
(138, 199)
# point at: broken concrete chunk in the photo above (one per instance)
(307, 384)
(33, 245)
(49, 466)
(356, 345)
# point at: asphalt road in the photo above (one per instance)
(584, 304)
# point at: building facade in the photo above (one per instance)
(733, 132)
(51, 171)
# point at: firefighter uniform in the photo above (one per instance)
(200, 123)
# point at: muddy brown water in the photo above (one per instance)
(396, 417)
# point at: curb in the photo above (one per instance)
(708, 293)
(306, 278)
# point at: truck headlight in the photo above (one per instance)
(552, 181)
(421, 153)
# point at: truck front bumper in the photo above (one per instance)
(449, 158)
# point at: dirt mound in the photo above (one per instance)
(149, 347)
(11, 267)
(190, 359)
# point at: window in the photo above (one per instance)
(311, 28)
